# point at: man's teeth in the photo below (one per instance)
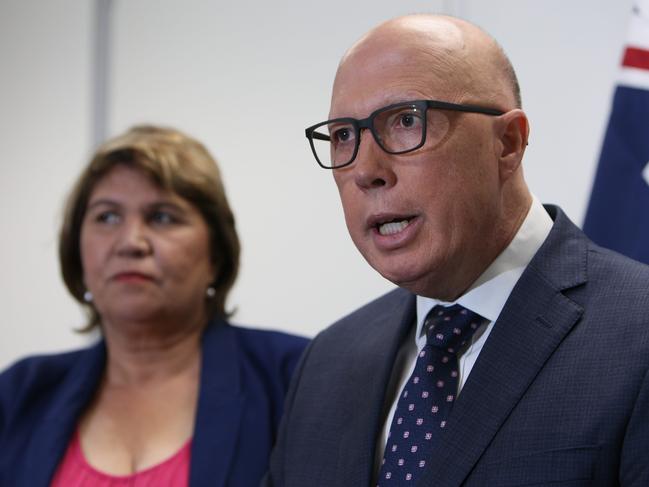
(392, 227)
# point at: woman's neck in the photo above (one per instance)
(140, 354)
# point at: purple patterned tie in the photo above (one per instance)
(427, 398)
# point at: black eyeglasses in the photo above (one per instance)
(397, 129)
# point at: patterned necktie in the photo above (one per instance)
(426, 399)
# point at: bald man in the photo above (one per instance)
(514, 351)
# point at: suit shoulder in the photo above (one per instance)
(618, 285)
(616, 269)
(364, 318)
(617, 291)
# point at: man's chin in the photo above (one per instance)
(419, 283)
(401, 277)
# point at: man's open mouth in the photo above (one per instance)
(392, 227)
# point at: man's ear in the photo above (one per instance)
(513, 132)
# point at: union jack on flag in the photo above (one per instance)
(618, 212)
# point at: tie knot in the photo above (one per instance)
(451, 327)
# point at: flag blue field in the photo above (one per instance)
(618, 212)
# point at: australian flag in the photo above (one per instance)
(618, 212)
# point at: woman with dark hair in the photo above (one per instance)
(172, 394)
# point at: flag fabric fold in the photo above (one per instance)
(618, 211)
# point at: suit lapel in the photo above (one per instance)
(367, 385)
(534, 321)
(220, 408)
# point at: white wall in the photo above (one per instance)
(246, 77)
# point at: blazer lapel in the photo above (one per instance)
(533, 323)
(368, 380)
(52, 437)
(217, 420)
(220, 406)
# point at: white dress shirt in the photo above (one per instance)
(486, 296)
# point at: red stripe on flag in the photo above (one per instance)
(635, 57)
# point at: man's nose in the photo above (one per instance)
(134, 240)
(373, 166)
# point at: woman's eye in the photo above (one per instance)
(107, 217)
(162, 217)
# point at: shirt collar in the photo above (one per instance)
(488, 294)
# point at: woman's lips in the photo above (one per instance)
(132, 276)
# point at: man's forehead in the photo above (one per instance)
(366, 84)
(434, 57)
(362, 104)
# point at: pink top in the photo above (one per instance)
(75, 471)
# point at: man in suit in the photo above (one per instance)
(549, 384)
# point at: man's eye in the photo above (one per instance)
(409, 120)
(342, 135)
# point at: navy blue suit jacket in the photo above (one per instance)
(244, 377)
(559, 395)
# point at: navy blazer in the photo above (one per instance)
(244, 376)
(559, 395)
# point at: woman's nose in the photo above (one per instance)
(134, 239)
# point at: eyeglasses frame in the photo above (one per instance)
(368, 123)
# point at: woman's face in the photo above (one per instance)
(145, 251)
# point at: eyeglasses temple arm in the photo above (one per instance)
(317, 135)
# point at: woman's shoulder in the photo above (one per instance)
(34, 367)
(277, 347)
(269, 352)
(39, 375)
(268, 341)
(273, 339)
